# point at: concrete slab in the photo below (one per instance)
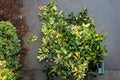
(30, 9)
(34, 75)
(109, 75)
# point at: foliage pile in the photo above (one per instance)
(71, 45)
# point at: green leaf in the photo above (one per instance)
(106, 35)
